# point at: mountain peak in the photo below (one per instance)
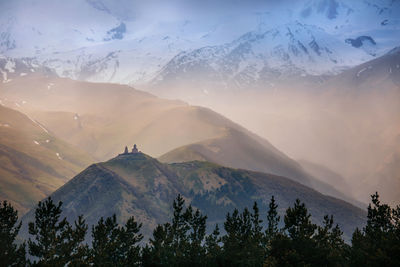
(126, 165)
(130, 158)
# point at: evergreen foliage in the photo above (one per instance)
(378, 244)
(214, 256)
(181, 242)
(113, 245)
(11, 254)
(302, 243)
(55, 242)
(272, 220)
(243, 244)
(184, 242)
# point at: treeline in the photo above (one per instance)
(184, 242)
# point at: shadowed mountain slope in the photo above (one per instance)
(136, 184)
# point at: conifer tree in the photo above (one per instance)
(302, 243)
(159, 251)
(330, 248)
(298, 222)
(11, 254)
(242, 244)
(272, 219)
(234, 239)
(55, 243)
(116, 246)
(197, 233)
(180, 227)
(179, 243)
(129, 243)
(74, 246)
(300, 230)
(378, 244)
(294, 246)
(105, 242)
(213, 248)
(257, 242)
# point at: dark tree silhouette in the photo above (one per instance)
(11, 254)
(378, 244)
(243, 244)
(113, 245)
(179, 243)
(213, 248)
(183, 241)
(55, 242)
(302, 243)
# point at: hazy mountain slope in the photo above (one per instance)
(235, 149)
(139, 185)
(368, 97)
(348, 122)
(102, 118)
(379, 74)
(332, 179)
(33, 163)
(386, 177)
(88, 114)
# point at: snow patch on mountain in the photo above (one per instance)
(11, 68)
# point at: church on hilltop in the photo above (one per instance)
(134, 150)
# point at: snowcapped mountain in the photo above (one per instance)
(31, 28)
(131, 61)
(133, 42)
(255, 58)
(361, 23)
